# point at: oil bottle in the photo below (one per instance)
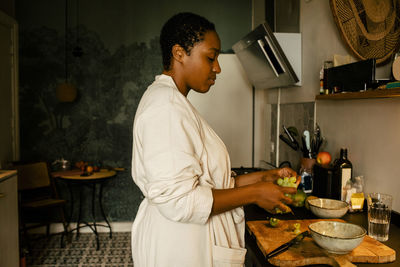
(342, 175)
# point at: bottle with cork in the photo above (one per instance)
(342, 176)
(321, 81)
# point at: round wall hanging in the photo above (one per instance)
(371, 28)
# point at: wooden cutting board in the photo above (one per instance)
(308, 252)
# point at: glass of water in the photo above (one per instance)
(379, 211)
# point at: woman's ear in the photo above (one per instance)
(178, 52)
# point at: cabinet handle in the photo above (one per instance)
(2, 195)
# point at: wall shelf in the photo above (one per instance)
(385, 93)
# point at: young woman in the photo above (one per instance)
(192, 211)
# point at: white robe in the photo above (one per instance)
(176, 160)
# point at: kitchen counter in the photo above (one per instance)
(255, 258)
(5, 174)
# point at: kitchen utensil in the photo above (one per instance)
(318, 138)
(287, 245)
(288, 134)
(288, 142)
(328, 208)
(317, 131)
(292, 139)
(313, 147)
(306, 135)
(337, 237)
(308, 252)
(293, 131)
(304, 147)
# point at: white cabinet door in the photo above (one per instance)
(9, 249)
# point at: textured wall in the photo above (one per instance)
(97, 126)
(298, 115)
(301, 116)
(111, 76)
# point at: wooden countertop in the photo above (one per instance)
(253, 212)
(5, 174)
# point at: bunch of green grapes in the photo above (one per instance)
(286, 182)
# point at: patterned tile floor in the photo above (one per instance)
(81, 252)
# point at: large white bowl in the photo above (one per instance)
(337, 237)
(328, 208)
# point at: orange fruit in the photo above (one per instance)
(89, 169)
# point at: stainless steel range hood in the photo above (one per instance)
(263, 59)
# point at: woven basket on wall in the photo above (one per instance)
(371, 28)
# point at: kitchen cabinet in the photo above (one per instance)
(9, 248)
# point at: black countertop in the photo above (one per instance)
(255, 257)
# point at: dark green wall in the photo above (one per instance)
(120, 58)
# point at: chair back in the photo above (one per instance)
(33, 176)
(38, 198)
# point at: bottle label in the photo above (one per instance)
(346, 176)
(357, 201)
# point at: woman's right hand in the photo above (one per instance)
(271, 196)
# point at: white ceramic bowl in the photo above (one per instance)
(328, 208)
(337, 237)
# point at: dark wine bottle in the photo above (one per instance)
(342, 173)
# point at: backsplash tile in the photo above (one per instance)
(298, 115)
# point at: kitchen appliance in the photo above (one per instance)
(353, 77)
(263, 59)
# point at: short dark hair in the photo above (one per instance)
(184, 29)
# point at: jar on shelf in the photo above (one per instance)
(327, 65)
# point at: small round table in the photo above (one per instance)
(77, 178)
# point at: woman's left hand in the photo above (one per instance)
(275, 174)
(265, 176)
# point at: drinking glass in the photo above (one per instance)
(379, 211)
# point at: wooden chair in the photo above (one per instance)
(38, 198)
